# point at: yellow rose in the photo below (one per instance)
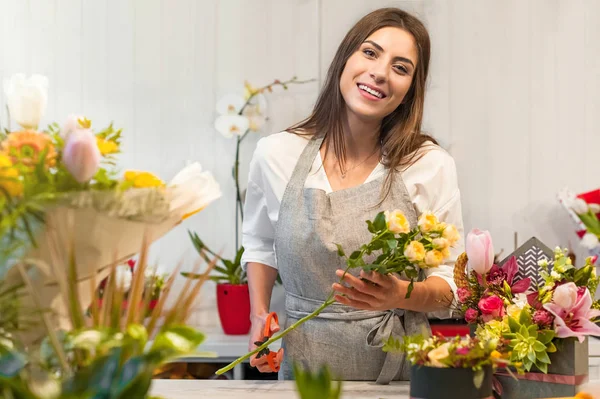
(440, 243)
(446, 252)
(397, 222)
(437, 354)
(107, 146)
(415, 251)
(451, 234)
(513, 311)
(143, 179)
(9, 177)
(428, 222)
(434, 258)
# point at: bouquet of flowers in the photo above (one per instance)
(584, 210)
(527, 324)
(396, 248)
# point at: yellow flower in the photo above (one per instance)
(451, 234)
(107, 146)
(513, 311)
(415, 251)
(440, 243)
(397, 222)
(143, 179)
(428, 222)
(9, 177)
(25, 147)
(496, 355)
(446, 253)
(434, 258)
(440, 353)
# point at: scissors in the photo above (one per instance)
(266, 351)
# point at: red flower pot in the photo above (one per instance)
(233, 302)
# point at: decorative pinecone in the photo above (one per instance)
(460, 271)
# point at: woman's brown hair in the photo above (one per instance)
(400, 133)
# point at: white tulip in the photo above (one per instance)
(230, 104)
(232, 125)
(590, 241)
(26, 99)
(123, 277)
(595, 208)
(579, 206)
(192, 190)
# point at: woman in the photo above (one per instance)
(361, 151)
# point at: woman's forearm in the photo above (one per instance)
(261, 279)
(427, 296)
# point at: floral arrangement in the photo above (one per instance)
(448, 352)
(395, 247)
(584, 209)
(237, 117)
(526, 324)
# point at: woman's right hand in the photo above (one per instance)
(257, 334)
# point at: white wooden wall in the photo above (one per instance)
(514, 91)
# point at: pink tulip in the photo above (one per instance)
(574, 321)
(81, 155)
(480, 251)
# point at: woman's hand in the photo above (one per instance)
(375, 292)
(257, 334)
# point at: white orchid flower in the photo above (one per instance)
(27, 99)
(230, 104)
(590, 241)
(232, 125)
(579, 206)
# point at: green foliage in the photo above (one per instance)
(316, 385)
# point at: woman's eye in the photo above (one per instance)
(401, 69)
(369, 52)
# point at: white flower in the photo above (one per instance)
(595, 208)
(123, 277)
(543, 262)
(555, 275)
(589, 241)
(88, 339)
(26, 99)
(520, 300)
(565, 296)
(192, 190)
(230, 104)
(232, 125)
(70, 125)
(579, 206)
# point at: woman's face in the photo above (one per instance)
(379, 74)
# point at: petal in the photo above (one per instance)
(510, 268)
(583, 304)
(586, 327)
(230, 104)
(556, 310)
(228, 125)
(521, 286)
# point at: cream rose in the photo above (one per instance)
(440, 353)
(428, 222)
(434, 258)
(415, 251)
(440, 243)
(451, 234)
(397, 222)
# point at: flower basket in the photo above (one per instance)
(567, 372)
(434, 383)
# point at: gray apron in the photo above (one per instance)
(310, 223)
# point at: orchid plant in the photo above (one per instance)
(238, 116)
(526, 323)
(395, 248)
(586, 214)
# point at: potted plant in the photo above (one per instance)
(238, 116)
(463, 363)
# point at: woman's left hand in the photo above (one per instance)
(378, 292)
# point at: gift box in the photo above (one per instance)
(568, 370)
(528, 257)
(449, 383)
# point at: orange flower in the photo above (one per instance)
(26, 147)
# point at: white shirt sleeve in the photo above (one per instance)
(258, 231)
(433, 186)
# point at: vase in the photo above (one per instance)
(233, 303)
(449, 383)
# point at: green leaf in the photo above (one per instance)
(380, 222)
(551, 348)
(355, 255)
(513, 325)
(478, 378)
(11, 363)
(409, 289)
(539, 347)
(392, 244)
(525, 318)
(238, 256)
(177, 340)
(370, 227)
(531, 356)
(524, 331)
(340, 250)
(542, 356)
(545, 336)
(543, 367)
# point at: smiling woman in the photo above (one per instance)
(313, 186)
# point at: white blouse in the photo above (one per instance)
(431, 183)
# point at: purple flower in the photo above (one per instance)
(543, 318)
(497, 275)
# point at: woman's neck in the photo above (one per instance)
(361, 136)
